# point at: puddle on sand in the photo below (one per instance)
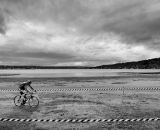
(116, 101)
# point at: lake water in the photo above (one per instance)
(72, 72)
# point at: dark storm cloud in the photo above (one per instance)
(46, 55)
(135, 23)
(20, 50)
(136, 20)
(63, 11)
(2, 23)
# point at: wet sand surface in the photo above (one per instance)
(84, 104)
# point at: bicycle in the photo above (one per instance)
(31, 98)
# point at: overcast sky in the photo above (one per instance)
(78, 32)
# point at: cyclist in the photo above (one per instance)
(24, 89)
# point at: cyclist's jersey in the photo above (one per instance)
(24, 85)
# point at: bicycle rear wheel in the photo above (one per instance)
(17, 100)
(33, 101)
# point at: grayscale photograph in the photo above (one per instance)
(79, 65)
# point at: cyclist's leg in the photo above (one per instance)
(23, 97)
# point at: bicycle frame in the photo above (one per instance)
(31, 94)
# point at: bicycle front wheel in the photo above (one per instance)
(33, 101)
(17, 100)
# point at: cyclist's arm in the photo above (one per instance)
(31, 87)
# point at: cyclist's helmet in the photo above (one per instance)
(29, 82)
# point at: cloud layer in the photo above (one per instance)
(78, 32)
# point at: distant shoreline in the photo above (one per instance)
(43, 67)
(143, 64)
(51, 67)
(8, 74)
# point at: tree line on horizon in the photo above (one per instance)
(144, 64)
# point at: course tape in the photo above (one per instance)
(83, 89)
(80, 120)
(99, 89)
(86, 89)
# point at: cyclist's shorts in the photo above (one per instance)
(21, 92)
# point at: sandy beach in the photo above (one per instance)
(84, 104)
